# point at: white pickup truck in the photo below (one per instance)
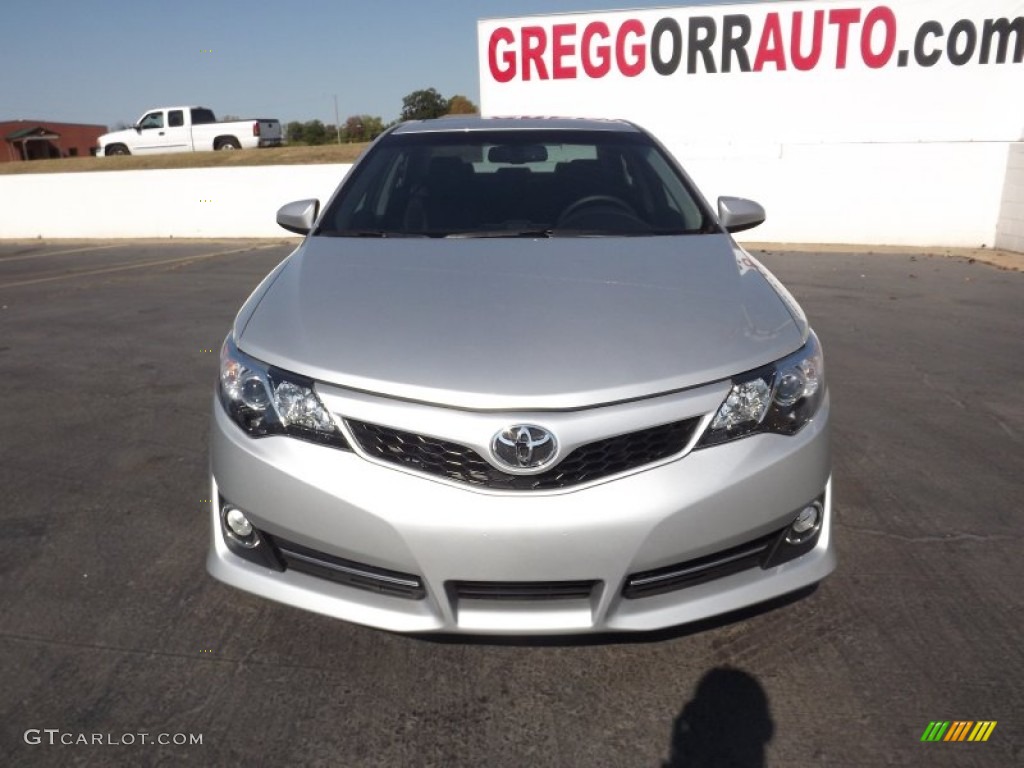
(188, 129)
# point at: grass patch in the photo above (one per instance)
(325, 153)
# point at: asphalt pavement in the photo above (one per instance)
(114, 638)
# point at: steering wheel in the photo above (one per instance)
(595, 200)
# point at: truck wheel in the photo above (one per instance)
(117, 149)
(229, 143)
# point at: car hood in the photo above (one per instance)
(521, 324)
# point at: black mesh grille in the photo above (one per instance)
(588, 462)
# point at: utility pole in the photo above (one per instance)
(337, 123)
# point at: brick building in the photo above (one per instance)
(42, 139)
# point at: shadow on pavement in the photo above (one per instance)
(726, 724)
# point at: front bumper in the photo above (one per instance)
(354, 510)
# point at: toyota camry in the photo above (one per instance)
(519, 378)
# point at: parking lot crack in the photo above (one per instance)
(931, 539)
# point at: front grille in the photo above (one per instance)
(351, 574)
(460, 463)
(521, 590)
(700, 570)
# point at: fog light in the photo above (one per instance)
(238, 527)
(244, 540)
(238, 523)
(806, 524)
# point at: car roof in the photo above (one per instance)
(459, 124)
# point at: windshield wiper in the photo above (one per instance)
(623, 232)
(502, 233)
(369, 233)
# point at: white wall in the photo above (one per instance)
(920, 194)
(193, 202)
(1010, 231)
(897, 194)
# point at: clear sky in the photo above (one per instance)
(106, 61)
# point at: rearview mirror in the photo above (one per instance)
(738, 213)
(517, 154)
(298, 217)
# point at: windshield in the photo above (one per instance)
(515, 183)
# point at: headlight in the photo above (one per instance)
(264, 400)
(779, 398)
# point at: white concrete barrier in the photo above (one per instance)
(1010, 230)
(917, 194)
(191, 202)
(925, 194)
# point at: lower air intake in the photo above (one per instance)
(699, 570)
(351, 574)
(522, 590)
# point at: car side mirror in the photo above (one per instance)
(738, 213)
(138, 127)
(298, 217)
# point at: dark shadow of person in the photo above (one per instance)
(726, 724)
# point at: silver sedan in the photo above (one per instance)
(518, 378)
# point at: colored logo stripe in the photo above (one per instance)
(958, 730)
(982, 730)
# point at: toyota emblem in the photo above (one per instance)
(524, 446)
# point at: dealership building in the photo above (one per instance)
(44, 139)
(851, 122)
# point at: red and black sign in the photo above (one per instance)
(735, 43)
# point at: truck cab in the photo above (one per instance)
(162, 130)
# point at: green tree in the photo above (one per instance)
(294, 132)
(374, 126)
(354, 129)
(362, 128)
(314, 132)
(460, 105)
(424, 105)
